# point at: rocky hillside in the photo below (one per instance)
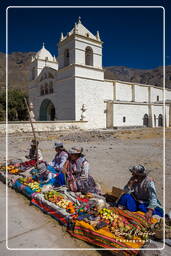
(148, 76)
(19, 72)
(18, 69)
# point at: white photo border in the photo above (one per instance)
(81, 249)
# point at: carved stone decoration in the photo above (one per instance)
(83, 109)
(32, 115)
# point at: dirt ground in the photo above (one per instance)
(110, 154)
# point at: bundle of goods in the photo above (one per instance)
(27, 186)
(28, 164)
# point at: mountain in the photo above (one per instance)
(19, 72)
(143, 76)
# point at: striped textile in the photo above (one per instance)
(46, 208)
(105, 239)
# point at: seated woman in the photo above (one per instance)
(141, 194)
(57, 165)
(78, 177)
(33, 151)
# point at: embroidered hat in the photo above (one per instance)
(139, 170)
(75, 150)
(58, 144)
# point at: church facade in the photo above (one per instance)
(72, 87)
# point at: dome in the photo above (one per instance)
(44, 54)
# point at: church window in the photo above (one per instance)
(46, 59)
(124, 119)
(89, 56)
(157, 98)
(87, 34)
(46, 89)
(42, 90)
(51, 87)
(66, 57)
(33, 73)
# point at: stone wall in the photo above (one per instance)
(24, 127)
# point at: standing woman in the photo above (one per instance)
(78, 177)
(56, 167)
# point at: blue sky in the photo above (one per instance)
(132, 36)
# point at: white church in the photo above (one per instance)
(72, 87)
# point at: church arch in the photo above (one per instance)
(146, 120)
(88, 56)
(47, 111)
(66, 57)
(160, 120)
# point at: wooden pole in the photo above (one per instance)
(34, 134)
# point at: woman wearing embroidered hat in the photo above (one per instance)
(57, 165)
(141, 194)
(78, 177)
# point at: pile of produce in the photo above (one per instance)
(11, 169)
(58, 199)
(28, 181)
(120, 225)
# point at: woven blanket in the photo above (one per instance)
(25, 190)
(51, 209)
(106, 239)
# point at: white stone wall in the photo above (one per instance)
(89, 73)
(63, 99)
(123, 92)
(66, 72)
(24, 127)
(134, 114)
(141, 93)
(168, 94)
(92, 93)
(156, 92)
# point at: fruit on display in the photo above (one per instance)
(10, 168)
(53, 196)
(28, 181)
(107, 214)
(58, 199)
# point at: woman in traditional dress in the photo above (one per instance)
(78, 177)
(57, 165)
(140, 194)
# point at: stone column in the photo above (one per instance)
(150, 116)
(133, 92)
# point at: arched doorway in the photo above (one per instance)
(145, 120)
(47, 111)
(160, 120)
